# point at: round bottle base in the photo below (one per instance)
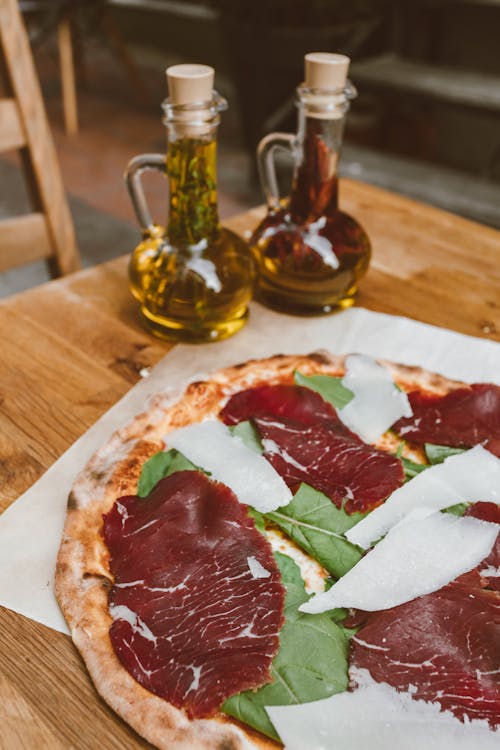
(297, 306)
(172, 330)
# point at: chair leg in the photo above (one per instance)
(67, 68)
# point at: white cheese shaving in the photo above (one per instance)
(256, 569)
(416, 557)
(467, 477)
(378, 717)
(211, 446)
(377, 402)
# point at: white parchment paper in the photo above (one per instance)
(30, 529)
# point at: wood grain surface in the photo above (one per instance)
(72, 347)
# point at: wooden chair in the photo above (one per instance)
(65, 18)
(46, 233)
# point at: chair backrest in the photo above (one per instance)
(48, 232)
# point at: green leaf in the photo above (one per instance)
(437, 453)
(290, 573)
(258, 519)
(411, 468)
(159, 466)
(316, 525)
(458, 509)
(329, 387)
(249, 435)
(311, 663)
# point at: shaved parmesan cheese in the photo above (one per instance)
(377, 716)
(416, 557)
(377, 402)
(468, 477)
(211, 446)
(256, 569)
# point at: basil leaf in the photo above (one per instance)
(311, 663)
(437, 453)
(248, 433)
(159, 466)
(329, 387)
(316, 525)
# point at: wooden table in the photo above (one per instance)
(72, 347)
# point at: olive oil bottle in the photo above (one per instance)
(311, 254)
(194, 279)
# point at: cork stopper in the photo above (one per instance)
(326, 70)
(190, 84)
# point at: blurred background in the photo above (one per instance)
(426, 122)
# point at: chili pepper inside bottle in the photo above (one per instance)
(195, 279)
(310, 254)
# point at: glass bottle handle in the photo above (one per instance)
(133, 179)
(267, 170)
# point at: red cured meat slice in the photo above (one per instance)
(308, 443)
(462, 418)
(488, 512)
(292, 404)
(191, 623)
(342, 468)
(443, 647)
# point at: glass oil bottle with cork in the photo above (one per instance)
(194, 279)
(310, 254)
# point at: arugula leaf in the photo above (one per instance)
(328, 386)
(258, 519)
(437, 453)
(458, 509)
(159, 466)
(249, 435)
(411, 468)
(311, 663)
(316, 525)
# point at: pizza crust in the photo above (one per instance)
(83, 577)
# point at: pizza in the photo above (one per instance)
(187, 598)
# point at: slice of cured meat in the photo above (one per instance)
(443, 647)
(490, 567)
(292, 404)
(191, 621)
(305, 442)
(346, 470)
(462, 418)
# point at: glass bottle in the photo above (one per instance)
(310, 254)
(194, 279)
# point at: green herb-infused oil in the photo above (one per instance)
(194, 281)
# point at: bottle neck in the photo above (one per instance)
(319, 139)
(193, 214)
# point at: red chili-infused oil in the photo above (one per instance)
(311, 254)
